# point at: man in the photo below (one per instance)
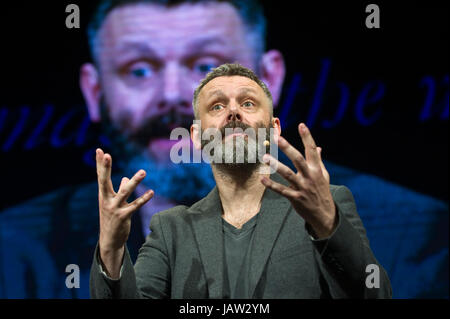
(155, 92)
(188, 253)
(148, 56)
(144, 74)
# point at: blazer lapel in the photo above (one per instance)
(274, 209)
(206, 216)
(207, 224)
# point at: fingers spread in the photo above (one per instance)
(128, 186)
(284, 171)
(139, 202)
(98, 159)
(322, 166)
(123, 182)
(279, 188)
(104, 163)
(311, 153)
(294, 155)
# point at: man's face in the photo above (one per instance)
(233, 98)
(230, 102)
(152, 58)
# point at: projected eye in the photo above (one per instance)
(248, 104)
(205, 67)
(141, 72)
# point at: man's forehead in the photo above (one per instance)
(176, 25)
(232, 85)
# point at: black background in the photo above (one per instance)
(41, 59)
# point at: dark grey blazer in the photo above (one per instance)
(183, 255)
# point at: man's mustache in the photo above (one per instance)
(233, 125)
(161, 126)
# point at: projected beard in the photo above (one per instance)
(239, 154)
(184, 183)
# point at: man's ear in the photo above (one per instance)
(90, 87)
(276, 126)
(272, 72)
(196, 135)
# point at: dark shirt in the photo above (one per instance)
(237, 247)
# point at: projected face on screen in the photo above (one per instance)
(149, 60)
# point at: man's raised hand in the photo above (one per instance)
(309, 190)
(115, 212)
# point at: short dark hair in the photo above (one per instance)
(231, 69)
(250, 11)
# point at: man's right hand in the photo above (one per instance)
(115, 213)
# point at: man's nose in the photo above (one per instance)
(174, 87)
(234, 113)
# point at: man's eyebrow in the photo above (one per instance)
(244, 91)
(135, 47)
(217, 93)
(200, 44)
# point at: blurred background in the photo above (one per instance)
(376, 100)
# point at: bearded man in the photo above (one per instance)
(255, 235)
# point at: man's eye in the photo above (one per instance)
(248, 104)
(204, 67)
(217, 107)
(141, 72)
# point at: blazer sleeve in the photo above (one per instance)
(148, 278)
(343, 257)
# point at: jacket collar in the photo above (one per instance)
(206, 216)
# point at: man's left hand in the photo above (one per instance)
(309, 190)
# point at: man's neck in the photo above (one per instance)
(240, 191)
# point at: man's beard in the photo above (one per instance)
(160, 127)
(183, 183)
(239, 153)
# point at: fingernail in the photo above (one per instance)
(303, 128)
